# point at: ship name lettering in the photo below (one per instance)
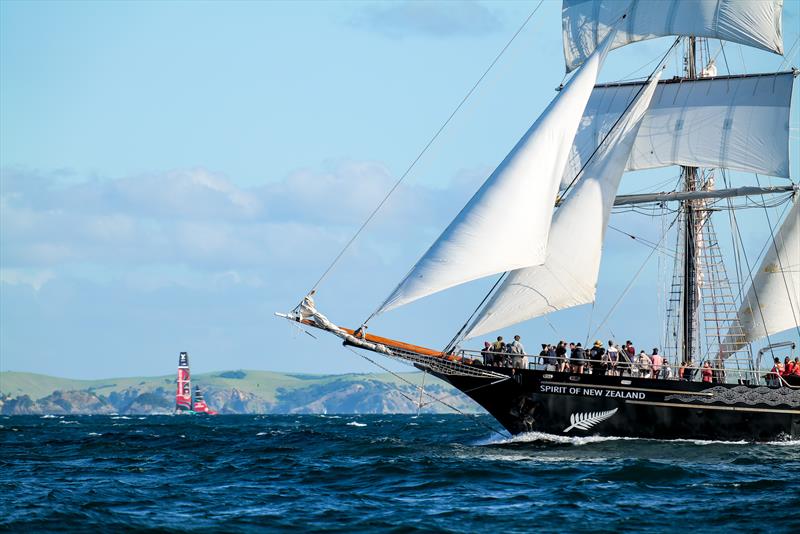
(552, 389)
(625, 394)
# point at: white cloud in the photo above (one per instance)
(205, 221)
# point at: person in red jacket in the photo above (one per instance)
(787, 366)
(796, 371)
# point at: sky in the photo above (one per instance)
(173, 173)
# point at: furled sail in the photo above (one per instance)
(732, 122)
(585, 23)
(506, 223)
(772, 303)
(569, 275)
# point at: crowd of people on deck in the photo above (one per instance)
(603, 359)
(781, 371)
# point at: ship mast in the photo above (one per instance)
(689, 298)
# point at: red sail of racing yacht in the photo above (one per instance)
(183, 395)
(200, 405)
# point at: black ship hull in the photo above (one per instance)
(585, 405)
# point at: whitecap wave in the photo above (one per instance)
(49, 416)
(356, 423)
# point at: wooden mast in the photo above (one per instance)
(690, 251)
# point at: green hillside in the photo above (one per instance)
(264, 384)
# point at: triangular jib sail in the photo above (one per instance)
(511, 212)
(569, 274)
(772, 303)
(586, 23)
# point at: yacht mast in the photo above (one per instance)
(689, 298)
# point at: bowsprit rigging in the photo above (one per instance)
(708, 384)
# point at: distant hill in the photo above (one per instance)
(240, 391)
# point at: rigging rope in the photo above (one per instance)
(424, 150)
(622, 114)
(436, 399)
(630, 284)
(780, 263)
(750, 276)
(453, 342)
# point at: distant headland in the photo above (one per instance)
(229, 392)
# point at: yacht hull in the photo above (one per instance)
(585, 405)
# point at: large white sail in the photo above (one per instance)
(739, 123)
(569, 275)
(506, 223)
(772, 303)
(585, 23)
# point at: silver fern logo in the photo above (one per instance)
(587, 420)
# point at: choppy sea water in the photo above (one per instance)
(378, 473)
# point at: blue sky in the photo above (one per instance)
(173, 173)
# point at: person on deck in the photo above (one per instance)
(578, 359)
(561, 356)
(630, 349)
(543, 354)
(499, 349)
(689, 370)
(657, 362)
(644, 363)
(707, 372)
(612, 358)
(519, 360)
(796, 371)
(788, 367)
(488, 357)
(551, 360)
(773, 377)
(596, 354)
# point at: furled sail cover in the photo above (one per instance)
(568, 276)
(737, 122)
(772, 304)
(754, 23)
(505, 224)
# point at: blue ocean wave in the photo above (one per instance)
(396, 473)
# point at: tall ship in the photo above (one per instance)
(719, 373)
(185, 402)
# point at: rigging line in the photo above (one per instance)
(622, 114)
(722, 48)
(470, 390)
(453, 342)
(425, 148)
(787, 57)
(645, 242)
(630, 284)
(780, 263)
(403, 379)
(591, 318)
(750, 277)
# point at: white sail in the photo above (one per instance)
(569, 275)
(585, 23)
(506, 223)
(772, 304)
(739, 123)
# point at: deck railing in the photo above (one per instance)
(667, 371)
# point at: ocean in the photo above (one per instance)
(352, 473)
